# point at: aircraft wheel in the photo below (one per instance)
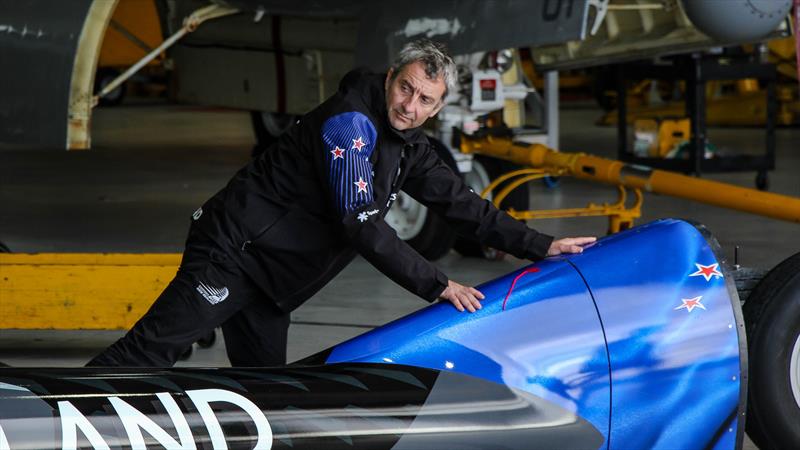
(484, 170)
(103, 78)
(267, 127)
(772, 317)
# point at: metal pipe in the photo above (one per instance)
(593, 168)
(189, 24)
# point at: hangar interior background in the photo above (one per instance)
(196, 114)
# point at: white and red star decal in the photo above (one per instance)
(361, 185)
(691, 303)
(358, 143)
(337, 153)
(707, 271)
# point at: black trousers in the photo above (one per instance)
(208, 291)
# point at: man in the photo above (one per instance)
(294, 217)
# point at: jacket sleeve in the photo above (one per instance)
(434, 184)
(349, 140)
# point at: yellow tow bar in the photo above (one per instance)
(630, 176)
(620, 217)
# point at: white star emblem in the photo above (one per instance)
(361, 185)
(362, 217)
(337, 153)
(691, 303)
(707, 271)
(358, 143)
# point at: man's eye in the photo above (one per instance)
(405, 88)
(426, 101)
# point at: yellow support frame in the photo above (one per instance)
(619, 217)
(67, 291)
(617, 173)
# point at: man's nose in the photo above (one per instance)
(409, 104)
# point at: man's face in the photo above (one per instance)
(411, 98)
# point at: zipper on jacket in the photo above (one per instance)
(399, 168)
(393, 189)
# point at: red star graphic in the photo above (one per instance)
(337, 153)
(706, 271)
(361, 185)
(691, 303)
(358, 143)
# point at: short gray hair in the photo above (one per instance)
(434, 56)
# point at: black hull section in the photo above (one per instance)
(337, 406)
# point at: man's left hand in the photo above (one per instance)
(462, 296)
(569, 245)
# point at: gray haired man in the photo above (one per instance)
(295, 216)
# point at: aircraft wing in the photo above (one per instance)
(466, 26)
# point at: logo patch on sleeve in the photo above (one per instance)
(211, 294)
(364, 215)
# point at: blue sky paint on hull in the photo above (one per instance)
(621, 335)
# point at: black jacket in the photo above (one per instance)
(295, 216)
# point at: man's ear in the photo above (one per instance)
(438, 108)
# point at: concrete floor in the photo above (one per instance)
(152, 165)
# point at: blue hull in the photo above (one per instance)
(641, 335)
(637, 343)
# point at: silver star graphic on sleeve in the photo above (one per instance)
(358, 144)
(361, 185)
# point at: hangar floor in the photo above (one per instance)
(152, 165)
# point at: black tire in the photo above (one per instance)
(103, 78)
(207, 340)
(436, 237)
(267, 127)
(518, 199)
(746, 279)
(772, 320)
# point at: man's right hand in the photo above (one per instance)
(569, 245)
(462, 296)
